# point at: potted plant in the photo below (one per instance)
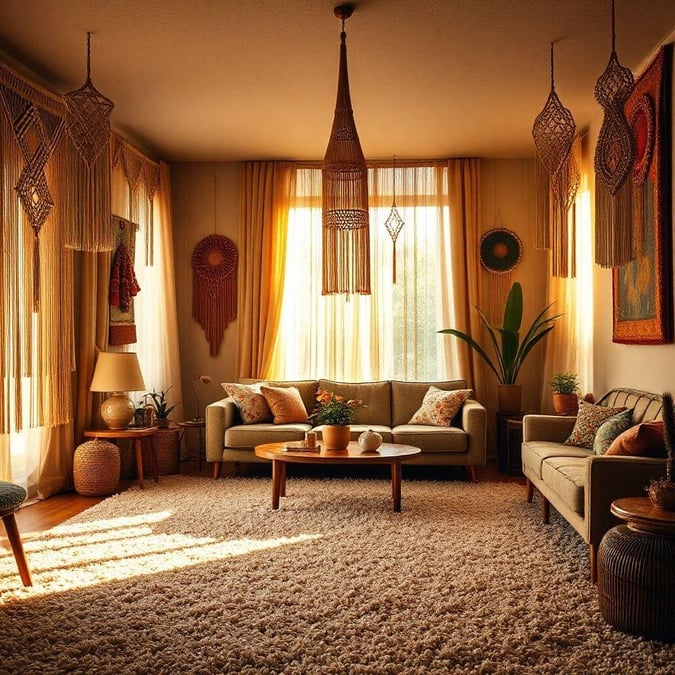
(510, 351)
(565, 393)
(161, 406)
(336, 413)
(662, 491)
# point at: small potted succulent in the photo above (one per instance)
(662, 491)
(565, 393)
(161, 406)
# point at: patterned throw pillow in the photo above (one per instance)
(253, 408)
(440, 406)
(589, 419)
(642, 440)
(610, 429)
(286, 404)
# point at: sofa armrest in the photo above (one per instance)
(547, 428)
(610, 477)
(220, 415)
(474, 423)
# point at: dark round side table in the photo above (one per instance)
(636, 570)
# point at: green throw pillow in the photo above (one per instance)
(611, 429)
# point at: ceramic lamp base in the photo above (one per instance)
(117, 411)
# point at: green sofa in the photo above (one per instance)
(579, 484)
(389, 406)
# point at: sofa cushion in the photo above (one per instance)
(431, 438)
(376, 397)
(285, 403)
(407, 397)
(250, 402)
(535, 453)
(641, 440)
(439, 407)
(566, 476)
(610, 429)
(589, 419)
(307, 389)
(250, 435)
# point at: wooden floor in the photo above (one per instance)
(45, 514)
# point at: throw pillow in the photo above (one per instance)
(610, 429)
(286, 404)
(253, 408)
(589, 419)
(641, 440)
(440, 406)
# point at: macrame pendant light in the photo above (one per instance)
(394, 222)
(615, 241)
(88, 126)
(345, 221)
(557, 181)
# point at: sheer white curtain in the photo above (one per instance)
(391, 334)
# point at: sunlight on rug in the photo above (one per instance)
(196, 575)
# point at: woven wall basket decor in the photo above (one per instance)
(501, 251)
(214, 287)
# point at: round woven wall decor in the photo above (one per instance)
(214, 287)
(642, 125)
(500, 250)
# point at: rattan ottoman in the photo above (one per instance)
(96, 468)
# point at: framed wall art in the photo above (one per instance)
(643, 288)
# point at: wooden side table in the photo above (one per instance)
(509, 439)
(200, 425)
(636, 584)
(137, 436)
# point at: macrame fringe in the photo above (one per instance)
(542, 234)
(614, 244)
(213, 308)
(346, 261)
(499, 286)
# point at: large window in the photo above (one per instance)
(391, 334)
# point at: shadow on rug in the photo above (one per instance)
(193, 575)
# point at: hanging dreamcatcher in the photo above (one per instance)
(501, 251)
(614, 157)
(394, 223)
(557, 181)
(214, 287)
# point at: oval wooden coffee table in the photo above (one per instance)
(282, 454)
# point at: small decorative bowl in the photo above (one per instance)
(662, 494)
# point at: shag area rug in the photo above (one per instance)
(193, 575)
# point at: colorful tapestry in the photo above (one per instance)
(123, 284)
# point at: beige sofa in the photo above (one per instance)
(389, 406)
(579, 484)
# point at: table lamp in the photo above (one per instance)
(117, 372)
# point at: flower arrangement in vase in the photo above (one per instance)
(336, 413)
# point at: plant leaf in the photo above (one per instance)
(474, 345)
(513, 311)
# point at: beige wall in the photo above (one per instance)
(206, 201)
(648, 367)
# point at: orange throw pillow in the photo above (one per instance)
(641, 440)
(286, 404)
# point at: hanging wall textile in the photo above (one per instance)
(214, 287)
(88, 126)
(557, 180)
(123, 284)
(37, 133)
(642, 288)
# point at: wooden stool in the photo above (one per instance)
(11, 498)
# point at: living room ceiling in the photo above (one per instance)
(227, 80)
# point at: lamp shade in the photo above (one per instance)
(117, 371)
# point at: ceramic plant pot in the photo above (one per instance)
(335, 437)
(565, 404)
(509, 397)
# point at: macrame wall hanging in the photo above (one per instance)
(615, 243)
(123, 283)
(345, 218)
(214, 287)
(394, 222)
(142, 176)
(557, 180)
(501, 251)
(37, 133)
(88, 126)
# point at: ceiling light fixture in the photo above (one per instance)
(345, 219)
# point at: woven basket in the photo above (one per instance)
(166, 447)
(96, 468)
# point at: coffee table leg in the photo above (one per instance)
(396, 485)
(282, 488)
(139, 460)
(277, 478)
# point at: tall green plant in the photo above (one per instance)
(510, 351)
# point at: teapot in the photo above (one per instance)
(369, 440)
